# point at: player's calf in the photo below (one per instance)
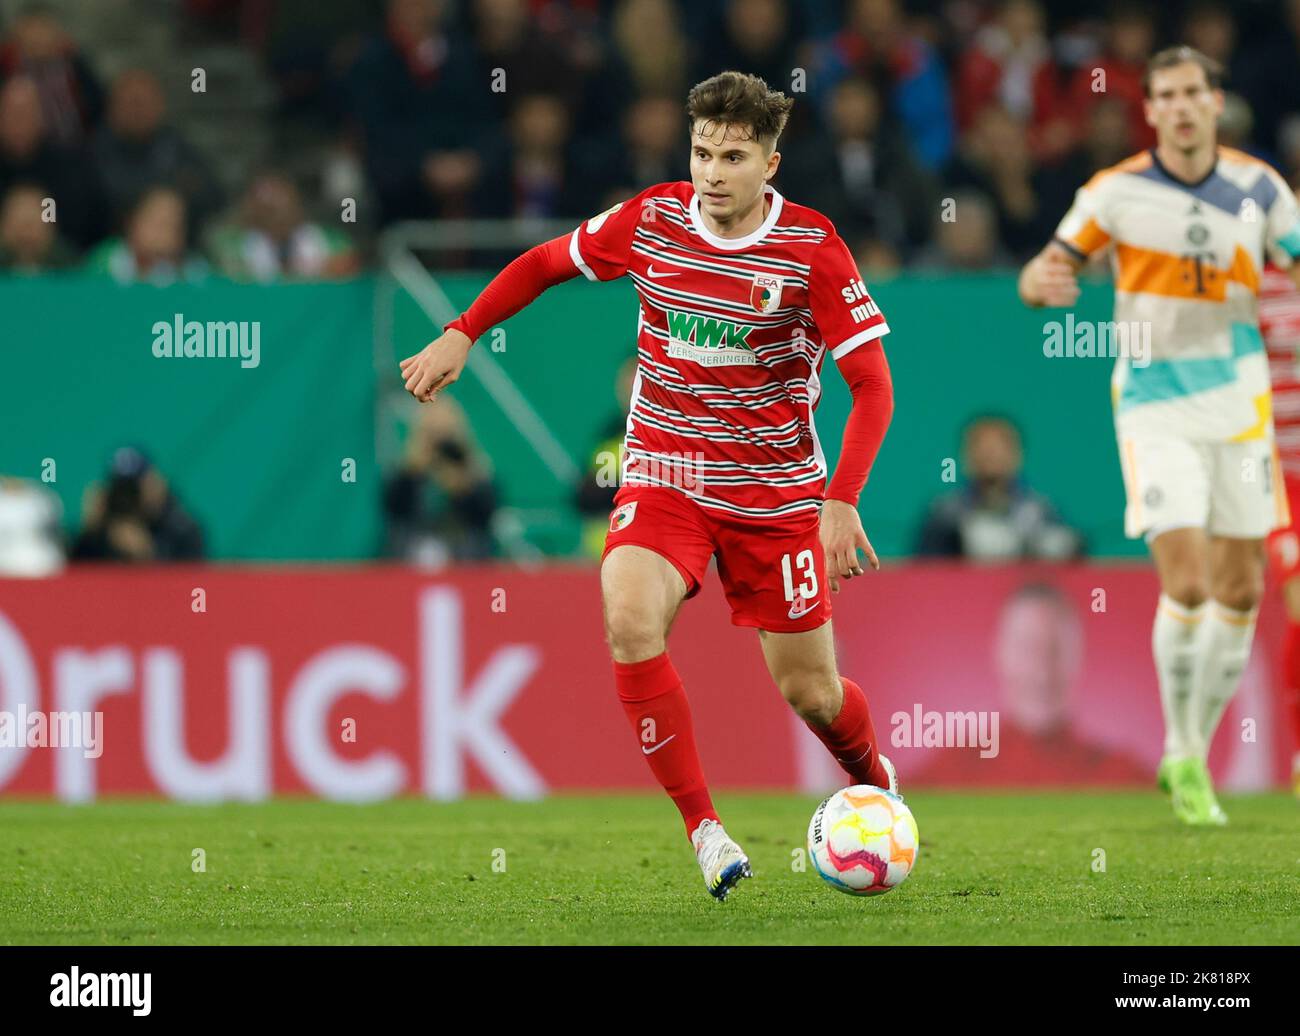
(851, 738)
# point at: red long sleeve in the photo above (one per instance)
(517, 285)
(867, 372)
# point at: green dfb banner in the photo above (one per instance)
(256, 446)
(273, 444)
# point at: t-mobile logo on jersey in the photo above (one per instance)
(856, 291)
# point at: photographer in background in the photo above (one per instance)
(135, 517)
(31, 540)
(439, 505)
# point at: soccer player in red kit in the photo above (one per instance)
(1279, 324)
(742, 297)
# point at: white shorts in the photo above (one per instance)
(1226, 488)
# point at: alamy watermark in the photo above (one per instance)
(677, 470)
(213, 339)
(932, 729)
(37, 729)
(75, 988)
(1106, 339)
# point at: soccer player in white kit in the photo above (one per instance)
(1189, 225)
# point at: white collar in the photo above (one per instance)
(736, 243)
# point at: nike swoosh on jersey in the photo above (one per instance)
(800, 608)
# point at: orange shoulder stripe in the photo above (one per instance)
(1241, 156)
(1132, 164)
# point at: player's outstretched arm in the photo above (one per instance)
(440, 362)
(867, 372)
(1051, 278)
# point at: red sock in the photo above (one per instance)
(656, 706)
(851, 738)
(1291, 672)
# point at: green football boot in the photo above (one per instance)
(1163, 781)
(1188, 783)
(1215, 811)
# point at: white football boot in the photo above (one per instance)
(721, 859)
(893, 774)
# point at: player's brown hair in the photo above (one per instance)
(740, 99)
(1182, 55)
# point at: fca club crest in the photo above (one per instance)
(622, 517)
(765, 292)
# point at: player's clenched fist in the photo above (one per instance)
(437, 365)
(842, 536)
(1050, 279)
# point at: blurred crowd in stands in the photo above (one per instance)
(427, 109)
(435, 109)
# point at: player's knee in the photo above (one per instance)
(633, 633)
(1190, 588)
(1241, 591)
(814, 695)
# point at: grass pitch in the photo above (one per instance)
(994, 868)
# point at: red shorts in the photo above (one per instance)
(773, 575)
(1284, 544)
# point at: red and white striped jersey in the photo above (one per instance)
(1279, 324)
(731, 336)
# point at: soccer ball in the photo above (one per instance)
(863, 840)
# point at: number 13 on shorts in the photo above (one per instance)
(807, 565)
